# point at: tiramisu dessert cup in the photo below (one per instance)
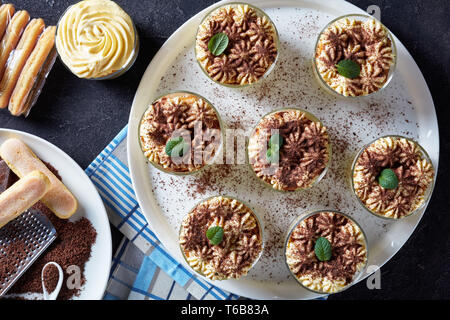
(236, 44)
(289, 150)
(355, 55)
(181, 133)
(221, 238)
(392, 177)
(326, 251)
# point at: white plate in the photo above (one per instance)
(90, 206)
(405, 107)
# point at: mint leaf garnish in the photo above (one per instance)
(322, 249)
(276, 141)
(176, 147)
(218, 43)
(348, 68)
(388, 179)
(215, 235)
(273, 156)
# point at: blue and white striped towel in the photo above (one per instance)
(141, 268)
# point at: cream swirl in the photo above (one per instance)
(95, 38)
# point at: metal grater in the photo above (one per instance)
(36, 231)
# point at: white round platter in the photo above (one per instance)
(405, 107)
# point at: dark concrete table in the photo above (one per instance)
(81, 117)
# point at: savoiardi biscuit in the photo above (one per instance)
(18, 58)
(22, 195)
(30, 72)
(21, 160)
(12, 36)
(6, 12)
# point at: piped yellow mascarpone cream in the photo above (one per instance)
(95, 38)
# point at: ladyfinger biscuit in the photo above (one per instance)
(39, 82)
(22, 161)
(6, 12)
(18, 58)
(12, 36)
(22, 195)
(30, 71)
